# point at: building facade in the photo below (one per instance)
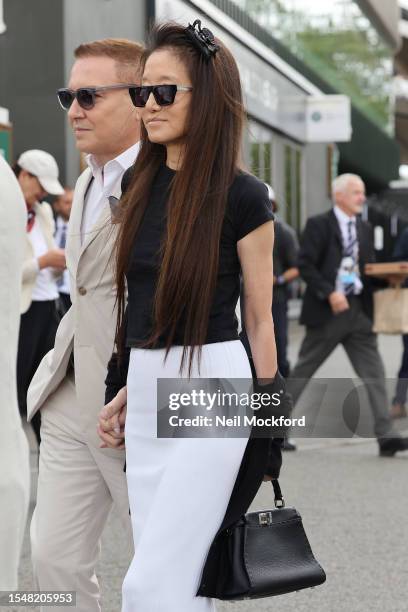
(316, 78)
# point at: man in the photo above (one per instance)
(37, 175)
(77, 479)
(285, 271)
(14, 453)
(398, 409)
(337, 306)
(62, 208)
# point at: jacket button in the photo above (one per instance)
(82, 291)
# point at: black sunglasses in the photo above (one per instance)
(163, 94)
(85, 96)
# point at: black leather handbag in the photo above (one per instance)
(264, 554)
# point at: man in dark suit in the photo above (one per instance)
(337, 306)
(398, 409)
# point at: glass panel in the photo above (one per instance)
(260, 140)
(338, 42)
(298, 183)
(255, 158)
(267, 158)
(288, 185)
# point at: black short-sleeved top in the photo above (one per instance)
(248, 207)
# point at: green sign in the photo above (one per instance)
(5, 143)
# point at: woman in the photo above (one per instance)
(37, 175)
(190, 221)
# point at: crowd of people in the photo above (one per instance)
(115, 293)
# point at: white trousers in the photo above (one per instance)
(178, 488)
(77, 483)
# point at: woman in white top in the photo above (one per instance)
(37, 174)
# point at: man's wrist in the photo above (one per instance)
(280, 280)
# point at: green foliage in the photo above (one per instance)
(340, 44)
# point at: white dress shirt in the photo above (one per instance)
(104, 180)
(45, 287)
(61, 233)
(343, 221)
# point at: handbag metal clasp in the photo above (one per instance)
(265, 518)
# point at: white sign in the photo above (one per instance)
(268, 95)
(2, 24)
(328, 119)
(4, 116)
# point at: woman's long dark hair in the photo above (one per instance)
(197, 200)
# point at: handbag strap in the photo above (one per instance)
(279, 501)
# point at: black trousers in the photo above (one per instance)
(352, 329)
(38, 327)
(402, 384)
(280, 321)
(64, 304)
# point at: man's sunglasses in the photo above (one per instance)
(85, 96)
(163, 94)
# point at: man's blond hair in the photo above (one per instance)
(126, 53)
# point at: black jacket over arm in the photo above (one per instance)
(320, 255)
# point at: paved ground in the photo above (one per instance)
(354, 505)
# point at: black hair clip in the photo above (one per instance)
(203, 39)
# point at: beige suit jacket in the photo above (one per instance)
(43, 216)
(88, 327)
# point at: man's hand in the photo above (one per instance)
(338, 302)
(395, 280)
(54, 258)
(112, 419)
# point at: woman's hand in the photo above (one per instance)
(112, 419)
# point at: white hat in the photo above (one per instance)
(271, 193)
(44, 167)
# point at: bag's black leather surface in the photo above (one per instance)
(264, 554)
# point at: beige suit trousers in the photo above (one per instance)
(78, 481)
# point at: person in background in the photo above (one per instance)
(14, 453)
(37, 175)
(285, 252)
(398, 408)
(337, 307)
(62, 209)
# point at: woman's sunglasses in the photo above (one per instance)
(85, 96)
(163, 94)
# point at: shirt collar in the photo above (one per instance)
(60, 222)
(125, 160)
(342, 218)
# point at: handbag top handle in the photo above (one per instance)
(279, 501)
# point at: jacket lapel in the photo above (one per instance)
(73, 246)
(335, 228)
(105, 216)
